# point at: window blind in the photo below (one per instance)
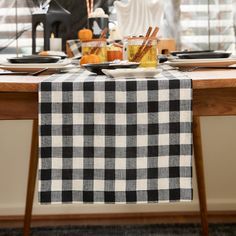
(207, 24)
(15, 27)
(203, 24)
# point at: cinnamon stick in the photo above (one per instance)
(143, 44)
(148, 46)
(95, 50)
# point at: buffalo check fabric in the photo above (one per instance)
(115, 141)
(75, 46)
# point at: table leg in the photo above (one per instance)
(198, 163)
(198, 156)
(32, 174)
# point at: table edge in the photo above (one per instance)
(197, 84)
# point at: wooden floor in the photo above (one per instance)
(114, 219)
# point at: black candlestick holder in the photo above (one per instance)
(56, 20)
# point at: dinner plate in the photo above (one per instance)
(204, 55)
(132, 73)
(32, 67)
(97, 68)
(202, 62)
(33, 59)
(176, 53)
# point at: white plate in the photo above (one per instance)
(132, 73)
(202, 62)
(35, 66)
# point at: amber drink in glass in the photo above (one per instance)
(143, 50)
(95, 46)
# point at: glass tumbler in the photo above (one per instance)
(143, 50)
(95, 46)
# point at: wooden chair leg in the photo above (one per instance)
(32, 174)
(198, 156)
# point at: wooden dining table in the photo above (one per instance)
(214, 94)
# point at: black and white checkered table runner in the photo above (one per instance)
(75, 46)
(115, 141)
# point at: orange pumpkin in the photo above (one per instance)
(90, 59)
(85, 34)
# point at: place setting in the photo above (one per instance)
(35, 64)
(201, 60)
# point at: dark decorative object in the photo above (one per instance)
(79, 15)
(56, 20)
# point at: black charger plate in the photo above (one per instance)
(176, 53)
(97, 68)
(204, 55)
(34, 59)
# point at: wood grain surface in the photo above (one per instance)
(204, 79)
(18, 106)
